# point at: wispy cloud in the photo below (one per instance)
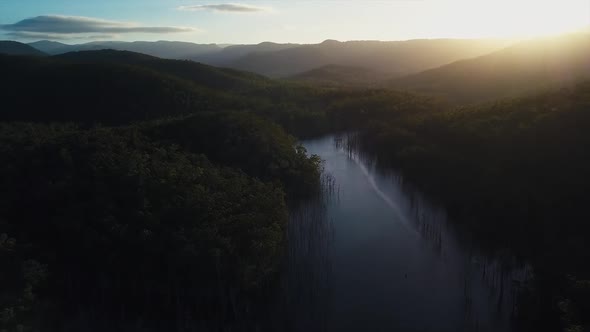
(225, 7)
(35, 35)
(63, 27)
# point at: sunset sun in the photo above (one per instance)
(529, 18)
(500, 18)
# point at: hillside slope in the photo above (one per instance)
(521, 68)
(201, 74)
(119, 88)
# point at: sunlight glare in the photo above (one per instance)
(509, 18)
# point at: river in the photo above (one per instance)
(373, 255)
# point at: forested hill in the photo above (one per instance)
(16, 48)
(154, 193)
(514, 173)
(118, 87)
(521, 68)
(175, 215)
(200, 74)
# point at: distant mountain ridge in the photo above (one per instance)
(161, 49)
(461, 71)
(394, 58)
(231, 53)
(48, 46)
(16, 48)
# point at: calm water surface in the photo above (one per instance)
(373, 256)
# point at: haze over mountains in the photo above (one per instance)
(460, 71)
(392, 58)
(335, 75)
(282, 60)
(517, 69)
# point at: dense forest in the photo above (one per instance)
(137, 225)
(138, 217)
(143, 193)
(514, 172)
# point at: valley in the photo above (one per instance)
(421, 185)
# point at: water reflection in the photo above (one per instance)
(372, 253)
(305, 286)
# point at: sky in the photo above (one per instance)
(296, 21)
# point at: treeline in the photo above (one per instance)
(250, 143)
(513, 172)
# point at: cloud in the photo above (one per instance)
(37, 36)
(31, 35)
(64, 27)
(226, 8)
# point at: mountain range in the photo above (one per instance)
(460, 71)
(391, 58)
(283, 60)
(161, 49)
